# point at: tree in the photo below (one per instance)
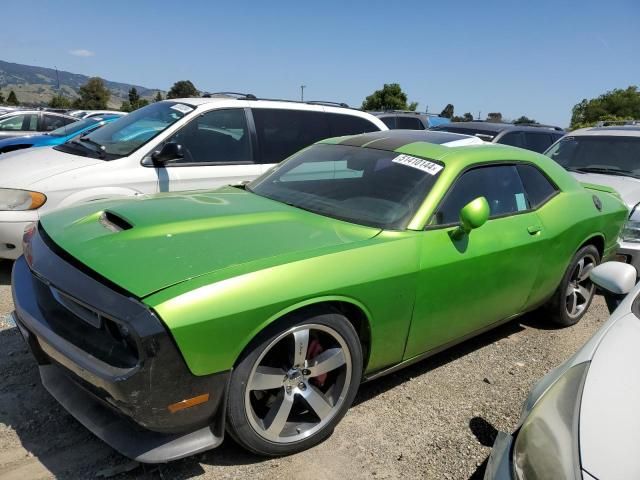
(59, 101)
(158, 97)
(93, 95)
(390, 97)
(12, 99)
(183, 89)
(135, 102)
(447, 112)
(494, 117)
(2, 99)
(524, 119)
(134, 98)
(467, 117)
(129, 107)
(614, 105)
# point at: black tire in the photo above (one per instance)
(272, 344)
(559, 305)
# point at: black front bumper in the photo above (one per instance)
(110, 361)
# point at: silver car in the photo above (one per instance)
(581, 421)
(20, 123)
(610, 156)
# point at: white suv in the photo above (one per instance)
(180, 144)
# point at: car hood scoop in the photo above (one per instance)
(148, 243)
(113, 222)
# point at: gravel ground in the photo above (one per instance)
(434, 420)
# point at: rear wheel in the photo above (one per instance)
(293, 386)
(575, 293)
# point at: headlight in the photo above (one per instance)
(20, 200)
(547, 443)
(631, 230)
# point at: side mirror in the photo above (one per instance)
(616, 279)
(169, 151)
(474, 214)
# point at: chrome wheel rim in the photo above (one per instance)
(580, 288)
(298, 383)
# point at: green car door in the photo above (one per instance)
(468, 281)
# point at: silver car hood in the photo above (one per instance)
(22, 168)
(610, 409)
(627, 187)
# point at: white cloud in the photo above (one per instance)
(81, 52)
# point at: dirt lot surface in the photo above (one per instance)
(434, 420)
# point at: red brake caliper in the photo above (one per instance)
(313, 351)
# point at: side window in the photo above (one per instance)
(512, 138)
(538, 142)
(28, 122)
(390, 122)
(341, 124)
(219, 136)
(409, 123)
(51, 122)
(500, 185)
(282, 133)
(539, 189)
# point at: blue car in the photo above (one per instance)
(57, 136)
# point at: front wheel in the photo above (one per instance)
(295, 384)
(575, 293)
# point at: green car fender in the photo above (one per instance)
(214, 317)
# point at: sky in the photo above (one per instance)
(533, 58)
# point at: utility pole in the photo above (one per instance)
(479, 114)
(57, 78)
(302, 87)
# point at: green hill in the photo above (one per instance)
(36, 85)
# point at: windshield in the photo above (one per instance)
(369, 187)
(614, 155)
(74, 127)
(128, 133)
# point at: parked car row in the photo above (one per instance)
(180, 280)
(58, 136)
(16, 122)
(27, 122)
(409, 120)
(171, 145)
(533, 137)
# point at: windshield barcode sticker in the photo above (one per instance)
(184, 109)
(419, 163)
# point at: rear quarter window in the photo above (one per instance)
(537, 186)
(282, 133)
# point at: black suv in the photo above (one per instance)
(528, 136)
(409, 120)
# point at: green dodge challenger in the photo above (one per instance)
(163, 322)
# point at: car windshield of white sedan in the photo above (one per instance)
(128, 133)
(609, 155)
(370, 187)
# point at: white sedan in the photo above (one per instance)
(581, 421)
